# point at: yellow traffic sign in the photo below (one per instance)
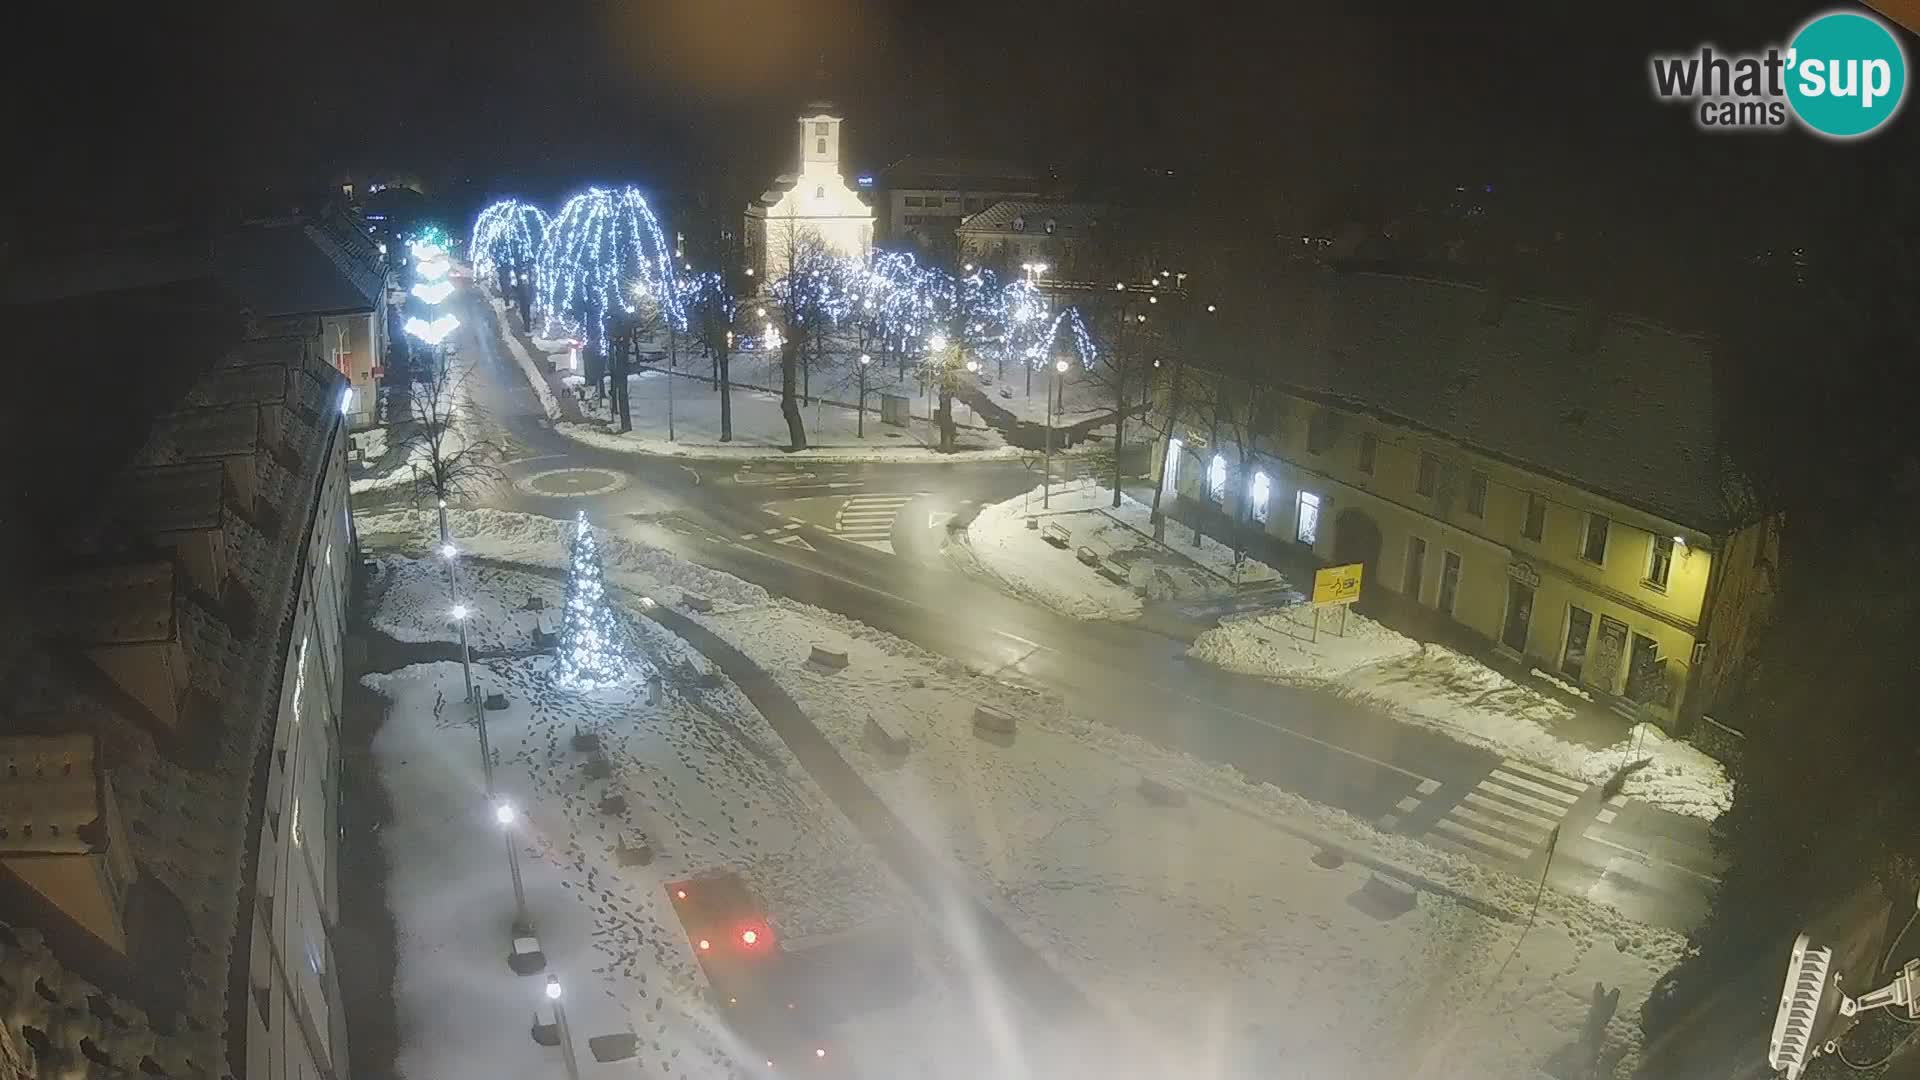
(1337, 584)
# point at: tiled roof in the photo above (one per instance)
(1019, 217)
(169, 498)
(113, 605)
(1628, 414)
(295, 269)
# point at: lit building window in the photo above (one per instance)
(1171, 469)
(1217, 478)
(1307, 526)
(1262, 494)
(293, 818)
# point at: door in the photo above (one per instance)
(1449, 580)
(1604, 671)
(1416, 566)
(1644, 671)
(1513, 632)
(1579, 629)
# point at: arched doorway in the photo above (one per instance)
(1356, 539)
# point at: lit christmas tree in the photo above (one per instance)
(589, 655)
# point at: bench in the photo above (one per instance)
(992, 720)
(832, 659)
(696, 602)
(1087, 556)
(1056, 534)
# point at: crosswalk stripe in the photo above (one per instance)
(1429, 786)
(1493, 845)
(1479, 807)
(1606, 815)
(1567, 784)
(1492, 821)
(1517, 781)
(1521, 798)
(1407, 804)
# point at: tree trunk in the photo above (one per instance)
(946, 418)
(724, 379)
(1119, 446)
(620, 366)
(789, 384)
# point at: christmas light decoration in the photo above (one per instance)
(432, 292)
(507, 235)
(433, 333)
(602, 247)
(434, 269)
(589, 654)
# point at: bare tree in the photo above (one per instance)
(1125, 369)
(1238, 399)
(448, 460)
(807, 293)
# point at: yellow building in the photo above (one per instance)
(1542, 477)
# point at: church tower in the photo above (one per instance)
(820, 139)
(815, 199)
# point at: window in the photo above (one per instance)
(1449, 580)
(820, 146)
(953, 200)
(1217, 479)
(1170, 468)
(1477, 494)
(1319, 432)
(1594, 547)
(819, 127)
(1536, 524)
(1051, 225)
(915, 200)
(1579, 629)
(1261, 496)
(1416, 573)
(820, 192)
(1659, 561)
(1369, 446)
(1429, 481)
(1307, 525)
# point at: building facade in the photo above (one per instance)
(168, 816)
(924, 199)
(1014, 232)
(815, 200)
(1541, 478)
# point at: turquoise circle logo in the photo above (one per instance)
(1847, 75)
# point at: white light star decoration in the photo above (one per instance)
(507, 236)
(589, 656)
(433, 333)
(602, 249)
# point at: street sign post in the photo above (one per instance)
(1336, 586)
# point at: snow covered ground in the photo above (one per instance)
(1081, 395)
(760, 430)
(1211, 940)
(1438, 688)
(1021, 559)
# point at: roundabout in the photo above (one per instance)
(571, 483)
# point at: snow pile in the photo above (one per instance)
(1447, 691)
(1226, 964)
(412, 603)
(1285, 644)
(1021, 559)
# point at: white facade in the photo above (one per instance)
(816, 200)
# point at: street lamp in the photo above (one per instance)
(1046, 482)
(860, 412)
(503, 813)
(560, 1021)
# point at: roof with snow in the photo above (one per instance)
(301, 268)
(982, 174)
(1613, 405)
(1019, 217)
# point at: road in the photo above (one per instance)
(864, 540)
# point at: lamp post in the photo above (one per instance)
(504, 813)
(560, 1021)
(460, 613)
(860, 421)
(1046, 482)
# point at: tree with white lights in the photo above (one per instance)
(589, 654)
(507, 238)
(602, 252)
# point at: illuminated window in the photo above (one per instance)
(1217, 479)
(1170, 469)
(293, 827)
(1262, 496)
(1306, 527)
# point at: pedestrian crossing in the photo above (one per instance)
(867, 520)
(1510, 813)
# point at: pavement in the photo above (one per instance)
(865, 540)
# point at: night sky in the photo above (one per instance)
(1312, 105)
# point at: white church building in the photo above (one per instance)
(817, 199)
